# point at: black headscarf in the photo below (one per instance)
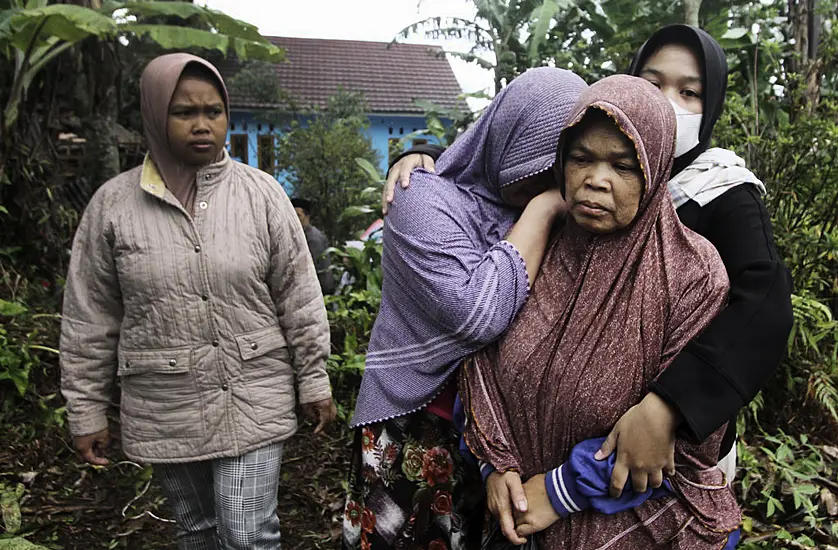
(714, 67)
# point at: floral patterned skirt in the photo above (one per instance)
(410, 488)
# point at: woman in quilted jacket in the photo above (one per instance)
(190, 280)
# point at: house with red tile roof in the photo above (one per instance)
(391, 77)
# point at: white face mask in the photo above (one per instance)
(689, 125)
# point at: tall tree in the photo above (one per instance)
(592, 37)
(318, 157)
(691, 9)
(510, 31)
(805, 21)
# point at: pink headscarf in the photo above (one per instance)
(157, 87)
(607, 314)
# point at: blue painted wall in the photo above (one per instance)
(382, 129)
(253, 125)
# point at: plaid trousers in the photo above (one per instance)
(226, 503)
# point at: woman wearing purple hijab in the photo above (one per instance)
(459, 257)
(191, 281)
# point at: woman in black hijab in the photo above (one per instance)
(723, 369)
(711, 58)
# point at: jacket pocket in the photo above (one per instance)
(154, 362)
(260, 342)
(267, 374)
(160, 397)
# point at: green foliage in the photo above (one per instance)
(19, 350)
(18, 543)
(370, 197)
(797, 161)
(10, 497)
(508, 30)
(27, 338)
(9, 504)
(352, 312)
(540, 21)
(786, 481)
(34, 33)
(257, 79)
(14, 364)
(317, 154)
(597, 39)
(434, 115)
(10, 309)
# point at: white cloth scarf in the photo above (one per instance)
(714, 172)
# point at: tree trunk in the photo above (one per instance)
(815, 69)
(102, 149)
(805, 29)
(691, 9)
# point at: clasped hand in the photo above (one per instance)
(521, 509)
(644, 440)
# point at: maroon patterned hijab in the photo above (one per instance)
(607, 314)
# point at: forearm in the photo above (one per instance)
(532, 234)
(722, 369)
(306, 327)
(88, 368)
(295, 290)
(582, 482)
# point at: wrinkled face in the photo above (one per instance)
(676, 70)
(305, 219)
(520, 193)
(197, 123)
(603, 179)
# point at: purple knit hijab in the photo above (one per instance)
(452, 285)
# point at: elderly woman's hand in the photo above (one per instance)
(540, 514)
(503, 489)
(644, 439)
(400, 172)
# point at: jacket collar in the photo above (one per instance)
(152, 182)
(150, 179)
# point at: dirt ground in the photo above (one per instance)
(71, 505)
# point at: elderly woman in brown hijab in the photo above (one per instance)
(191, 281)
(622, 289)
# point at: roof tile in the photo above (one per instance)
(390, 76)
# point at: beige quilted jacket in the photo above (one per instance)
(208, 321)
